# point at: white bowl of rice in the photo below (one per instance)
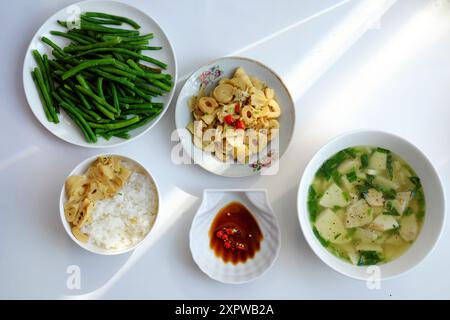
(121, 223)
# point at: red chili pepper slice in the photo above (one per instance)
(229, 119)
(237, 108)
(240, 124)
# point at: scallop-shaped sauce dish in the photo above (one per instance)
(234, 236)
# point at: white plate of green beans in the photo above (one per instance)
(99, 73)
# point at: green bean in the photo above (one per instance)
(83, 124)
(119, 72)
(100, 21)
(89, 91)
(82, 81)
(144, 37)
(58, 56)
(136, 69)
(41, 96)
(130, 100)
(100, 88)
(84, 25)
(105, 111)
(149, 69)
(167, 81)
(121, 80)
(145, 72)
(109, 43)
(81, 103)
(100, 101)
(81, 127)
(104, 136)
(46, 95)
(141, 93)
(69, 105)
(85, 65)
(115, 125)
(120, 91)
(83, 100)
(131, 22)
(141, 123)
(160, 84)
(138, 47)
(133, 44)
(53, 45)
(144, 86)
(79, 33)
(125, 52)
(40, 62)
(119, 57)
(70, 36)
(92, 34)
(115, 98)
(56, 65)
(146, 106)
(48, 72)
(63, 92)
(59, 99)
(141, 112)
(123, 135)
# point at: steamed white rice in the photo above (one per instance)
(124, 220)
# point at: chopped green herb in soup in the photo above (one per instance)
(366, 205)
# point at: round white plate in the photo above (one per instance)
(257, 201)
(66, 129)
(434, 195)
(264, 163)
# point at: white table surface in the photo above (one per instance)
(346, 70)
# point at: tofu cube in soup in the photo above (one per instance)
(366, 235)
(358, 214)
(374, 198)
(401, 201)
(331, 227)
(349, 165)
(333, 197)
(409, 227)
(378, 161)
(386, 183)
(384, 223)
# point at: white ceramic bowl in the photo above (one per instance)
(210, 74)
(256, 200)
(66, 129)
(434, 196)
(81, 169)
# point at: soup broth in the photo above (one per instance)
(366, 205)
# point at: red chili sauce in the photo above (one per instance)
(235, 235)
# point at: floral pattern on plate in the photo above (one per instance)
(210, 75)
(264, 162)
